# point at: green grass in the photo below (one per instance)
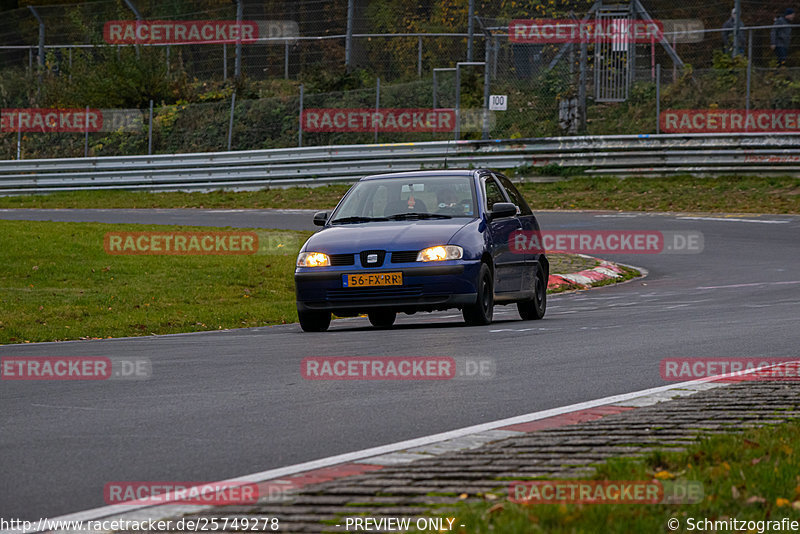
(58, 283)
(750, 476)
(680, 193)
(728, 194)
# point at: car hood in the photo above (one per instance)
(386, 235)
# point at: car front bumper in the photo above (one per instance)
(425, 288)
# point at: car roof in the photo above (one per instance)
(427, 174)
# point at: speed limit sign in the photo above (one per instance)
(498, 102)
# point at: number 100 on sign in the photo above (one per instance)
(498, 102)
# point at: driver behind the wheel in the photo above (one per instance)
(447, 200)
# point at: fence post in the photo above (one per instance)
(237, 70)
(286, 60)
(41, 43)
(470, 29)
(419, 56)
(434, 88)
(496, 51)
(457, 129)
(230, 123)
(658, 98)
(86, 138)
(150, 131)
(749, 69)
(19, 135)
(582, 87)
(300, 132)
(486, 88)
(348, 40)
(737, 22)
(377, 105)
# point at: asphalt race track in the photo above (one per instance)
(228, 403)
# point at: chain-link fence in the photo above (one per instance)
(411, 80)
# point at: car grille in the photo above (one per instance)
(339, 260)
(405, 256)
(381, 254)
(374, 293)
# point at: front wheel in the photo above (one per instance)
(481, 312)
(535, 307)
(382, 319)
(314, 321)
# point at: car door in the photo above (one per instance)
(509, 267)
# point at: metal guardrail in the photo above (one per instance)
(627, 155)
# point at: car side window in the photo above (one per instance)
(514, 194)
(494, 193)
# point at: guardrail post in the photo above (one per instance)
(230, 123)
(300, 131)
(658, 98)
(150, 131)
(377, 106)
(86, 138)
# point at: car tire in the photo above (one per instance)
(534, 309)
(314, 321)
(382, 319)
(481, 312)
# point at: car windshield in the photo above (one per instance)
(422, 197)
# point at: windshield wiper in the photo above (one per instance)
(414, 215)
(347, 220)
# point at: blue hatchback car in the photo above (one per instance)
(421, 241)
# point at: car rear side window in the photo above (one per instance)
(514, 194)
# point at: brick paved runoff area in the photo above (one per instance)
(423, 481)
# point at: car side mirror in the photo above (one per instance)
(320, 218)
(502, 209)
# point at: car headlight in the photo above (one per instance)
(440, 253)
(313, 259)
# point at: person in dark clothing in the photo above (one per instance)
(781, 35)
(728, 34)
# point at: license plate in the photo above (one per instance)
(372, 279)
